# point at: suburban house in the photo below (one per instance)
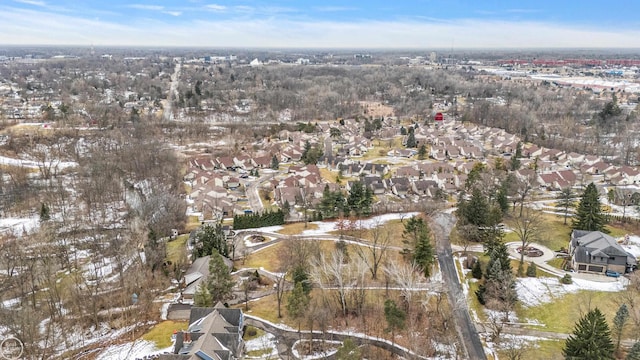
(197, 273)
(597, 252)
(214, 333)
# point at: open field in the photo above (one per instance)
(177, 249)
(161, 333)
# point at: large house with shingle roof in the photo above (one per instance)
(214, 333)
(597, 252)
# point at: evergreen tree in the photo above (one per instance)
(44, 212)
(476, 210)
(411, 139)
(532, 270)
(422, 152)
(395, 317)
(619, 322)
(417, 244)
(360, 198)
(476, 271)
(515, 159)
(403, 131)
(589, 214)
(349, 351)
(297, 303)
(219, 282)
(634, 352)
(591, 339)
(274, 162)
(564, 201)
(300, 276)
(202, 296)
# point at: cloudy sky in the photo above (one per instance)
(324, 24)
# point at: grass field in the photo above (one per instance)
(328, 175)
(296, 228)
(176, 249)
(562, 314)
(161, 333)
(539, 350)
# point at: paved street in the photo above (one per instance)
(464, 324)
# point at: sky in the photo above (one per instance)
(414, 24)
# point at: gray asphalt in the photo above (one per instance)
(464, 324)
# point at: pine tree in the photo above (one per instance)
(297, 303)
(274, 162)
(220, 282)
(44, 212)
(476, 272)
(411, 139)
(422, 152)
(349, 351)
(619, 321)
(565, 202)
(532, 270)
(202, 296)
(591, 339)
(634, 352)
(395, 317)
(515, 159)
(589, 214)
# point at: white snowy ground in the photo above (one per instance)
(536, 291)
(324, 227)
(19, 225)
(132, 350)
(633, 245)
(264, 342)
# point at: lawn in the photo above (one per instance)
(192, 223)
(161, 333)
(296, 228)
(562, 314)
(555, 234)
(540, 350)
(177, 249)
(266, 258)
(328, 175)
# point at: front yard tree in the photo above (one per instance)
(411, 139)
(202, 297)
(422, 152)
(274, 162)
(515, 159)
(589, 214)
(565, 202)
(591, 339)
(311, 154)
(528, 228)
(619, 322)
(219, 282)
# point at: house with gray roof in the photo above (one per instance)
(597, 252)
(214, 333)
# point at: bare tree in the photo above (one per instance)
(374, 253)
(528, 228)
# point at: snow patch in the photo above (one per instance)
(537, 291)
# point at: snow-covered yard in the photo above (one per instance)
(19, 225)
(138, 349)
(325, 227)
(536, 291)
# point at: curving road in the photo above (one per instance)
(465, 326)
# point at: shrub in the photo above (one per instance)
(532, 270)
(566, 279)
(476, 271)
